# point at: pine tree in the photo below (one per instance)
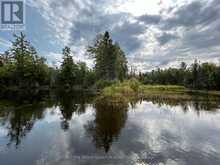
(68, 71)
(110, 61)
(30, 69)
(121, 63)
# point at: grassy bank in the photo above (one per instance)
(134, 88)
(148, 89)
(130, 89)
(162, 88)
(120, 92)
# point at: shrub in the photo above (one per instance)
(133, 84)
(126, 88)
(101, 84)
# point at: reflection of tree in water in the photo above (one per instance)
(69, 103)
(21, 121)
(196, 102)
(27, 96)
(134, 101)
(109, 120)
(20, 114)
(67, 107)
(208, 103)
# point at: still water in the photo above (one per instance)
(68, 130)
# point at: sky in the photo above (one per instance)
(152, 33)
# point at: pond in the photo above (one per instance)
(68, 129)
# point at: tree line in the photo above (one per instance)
(195, 76)
(21, 66)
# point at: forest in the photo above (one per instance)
(21, 67)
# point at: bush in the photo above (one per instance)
(101, 84)
(133, 84)
(126, 88)
(118, 90)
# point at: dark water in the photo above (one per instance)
(68, 129)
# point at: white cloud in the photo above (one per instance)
(55, 59)
(5, 43)
(158, 33)
(138, 7)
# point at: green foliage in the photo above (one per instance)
(134, 84)
(118, 89)
(89, 79)
(68, 71)
(101, 84)
(22, 67)
(126, 88)
(110, 61)
(120, 92)
(197, 76)
(74, 75)
(172, 88)
(121, 68)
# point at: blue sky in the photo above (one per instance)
(153, 33)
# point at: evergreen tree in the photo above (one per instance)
(121, 63)
(197, 76)
(110, 61)
(68, 70)
(23, 65)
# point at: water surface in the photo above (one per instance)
(71, 129)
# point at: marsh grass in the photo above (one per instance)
(173, 88)
(120, 92)
(125, 92)
(126, 88)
